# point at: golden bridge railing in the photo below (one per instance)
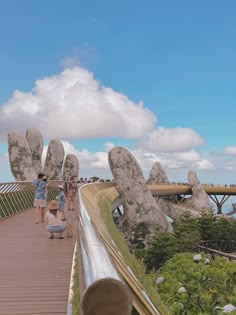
(93, 198)
(18, 196)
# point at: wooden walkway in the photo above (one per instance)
(34, 270)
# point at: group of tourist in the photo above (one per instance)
(55, 216)
(56, 213)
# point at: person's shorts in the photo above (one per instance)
(57, 228)
(40, 203)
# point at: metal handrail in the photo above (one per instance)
(91, 195)
(226, 246)
(18, 196)
(104, 289)
(216, 252)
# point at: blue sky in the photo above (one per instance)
(177, 57)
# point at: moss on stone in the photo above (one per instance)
(75, 288)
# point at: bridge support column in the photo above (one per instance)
(119, 211)
(219, 203)
(219, 209)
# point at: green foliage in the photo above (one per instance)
(217, 230)
(137, 265)
(163, 247)
(207, 286)
(75, 288)
(187, 233)
(206, 226)
(223, 229)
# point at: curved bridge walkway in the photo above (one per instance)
(34, 270)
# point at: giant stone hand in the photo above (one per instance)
(25, 157)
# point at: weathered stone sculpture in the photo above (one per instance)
(199, 201)
(54, 160)
(25, 154)
(20, 157)
(35, 140)
(173, 210)
(71, 166)
(158, 175)
(142, 216)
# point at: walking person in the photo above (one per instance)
(40, 197)
(54, 222)
(61, 199)
(71, 193)
(80, 182)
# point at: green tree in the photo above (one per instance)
(188, 232)
(163, 247)
(206, 225)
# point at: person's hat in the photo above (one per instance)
(53, 205)
(60, 186)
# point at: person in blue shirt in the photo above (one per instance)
(61, 198)
(40, 197)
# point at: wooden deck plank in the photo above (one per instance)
(34, 270)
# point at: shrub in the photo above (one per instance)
(187, 233)
(207, 285)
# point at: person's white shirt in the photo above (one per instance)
(52, 219)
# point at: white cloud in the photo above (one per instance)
(172, 161)
(176, 164)
(227, 164)
(170, 140)
(73, 105)
(81, 55)
(203, 164)
(90, 164)
(69, 148)
(108, 146)
(230, 150)
(44, 154)
(100, 160)
(97, 160)
(69, 62)
(187, 156)
(5, 174)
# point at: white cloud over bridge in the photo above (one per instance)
(75, 105)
